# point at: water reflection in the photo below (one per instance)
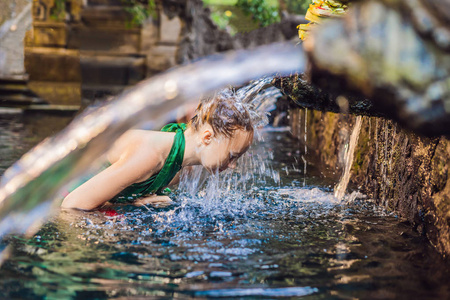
(19, 132)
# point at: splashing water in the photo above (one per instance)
(340, 189)
(256, 98)
(235, 193)
(259, 96)
(29, 187)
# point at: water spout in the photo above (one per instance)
(305, 163)
(29, 187)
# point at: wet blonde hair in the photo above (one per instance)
(223, 112)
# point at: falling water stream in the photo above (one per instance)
(258, 231)
(341, 187)
(305, 164)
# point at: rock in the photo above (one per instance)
(306, 95)
(402, 171)
(393, 52)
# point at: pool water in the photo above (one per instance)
(21, 131)
(257, 232)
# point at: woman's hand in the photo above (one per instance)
(154, 200)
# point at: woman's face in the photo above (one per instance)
(220, 152)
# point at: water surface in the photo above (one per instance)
(257, 233)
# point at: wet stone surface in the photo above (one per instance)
(306, 95)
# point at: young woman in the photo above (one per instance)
(142, 163)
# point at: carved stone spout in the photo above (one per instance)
(395, 53)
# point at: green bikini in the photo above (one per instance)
(156, 183)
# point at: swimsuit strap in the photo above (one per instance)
(174, 127)
(174, 160)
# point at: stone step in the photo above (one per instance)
(13, 85)
(50, 108)
(105, 2)
(95, 92)
(13, 88)
(117, 54)
(104, 16)
(48, 34)
(105, 39)
(14, 79)
(14, 92)
(57, 93)
(109, 89)
(19, 100)
(112, 70)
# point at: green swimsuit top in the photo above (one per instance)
(156, 183)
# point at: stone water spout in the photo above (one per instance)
(29, 187)
(395, 53)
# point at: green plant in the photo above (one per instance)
(140, 10)
(221, 19)
(260, 10)
(58, 11)
(297, 6)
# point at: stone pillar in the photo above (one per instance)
(165, 35)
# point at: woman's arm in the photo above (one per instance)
(132, 168)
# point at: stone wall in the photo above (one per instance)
(402, 171)
(90, 50)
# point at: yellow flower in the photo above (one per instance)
(228, 13)
(318, 11)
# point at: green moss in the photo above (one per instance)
(140, 10)
(362, 148)
(58, 11)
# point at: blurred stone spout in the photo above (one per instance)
(394, 52)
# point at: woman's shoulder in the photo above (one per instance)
(142, 142)
(141, 151)
(150, 137)
(140, 136)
